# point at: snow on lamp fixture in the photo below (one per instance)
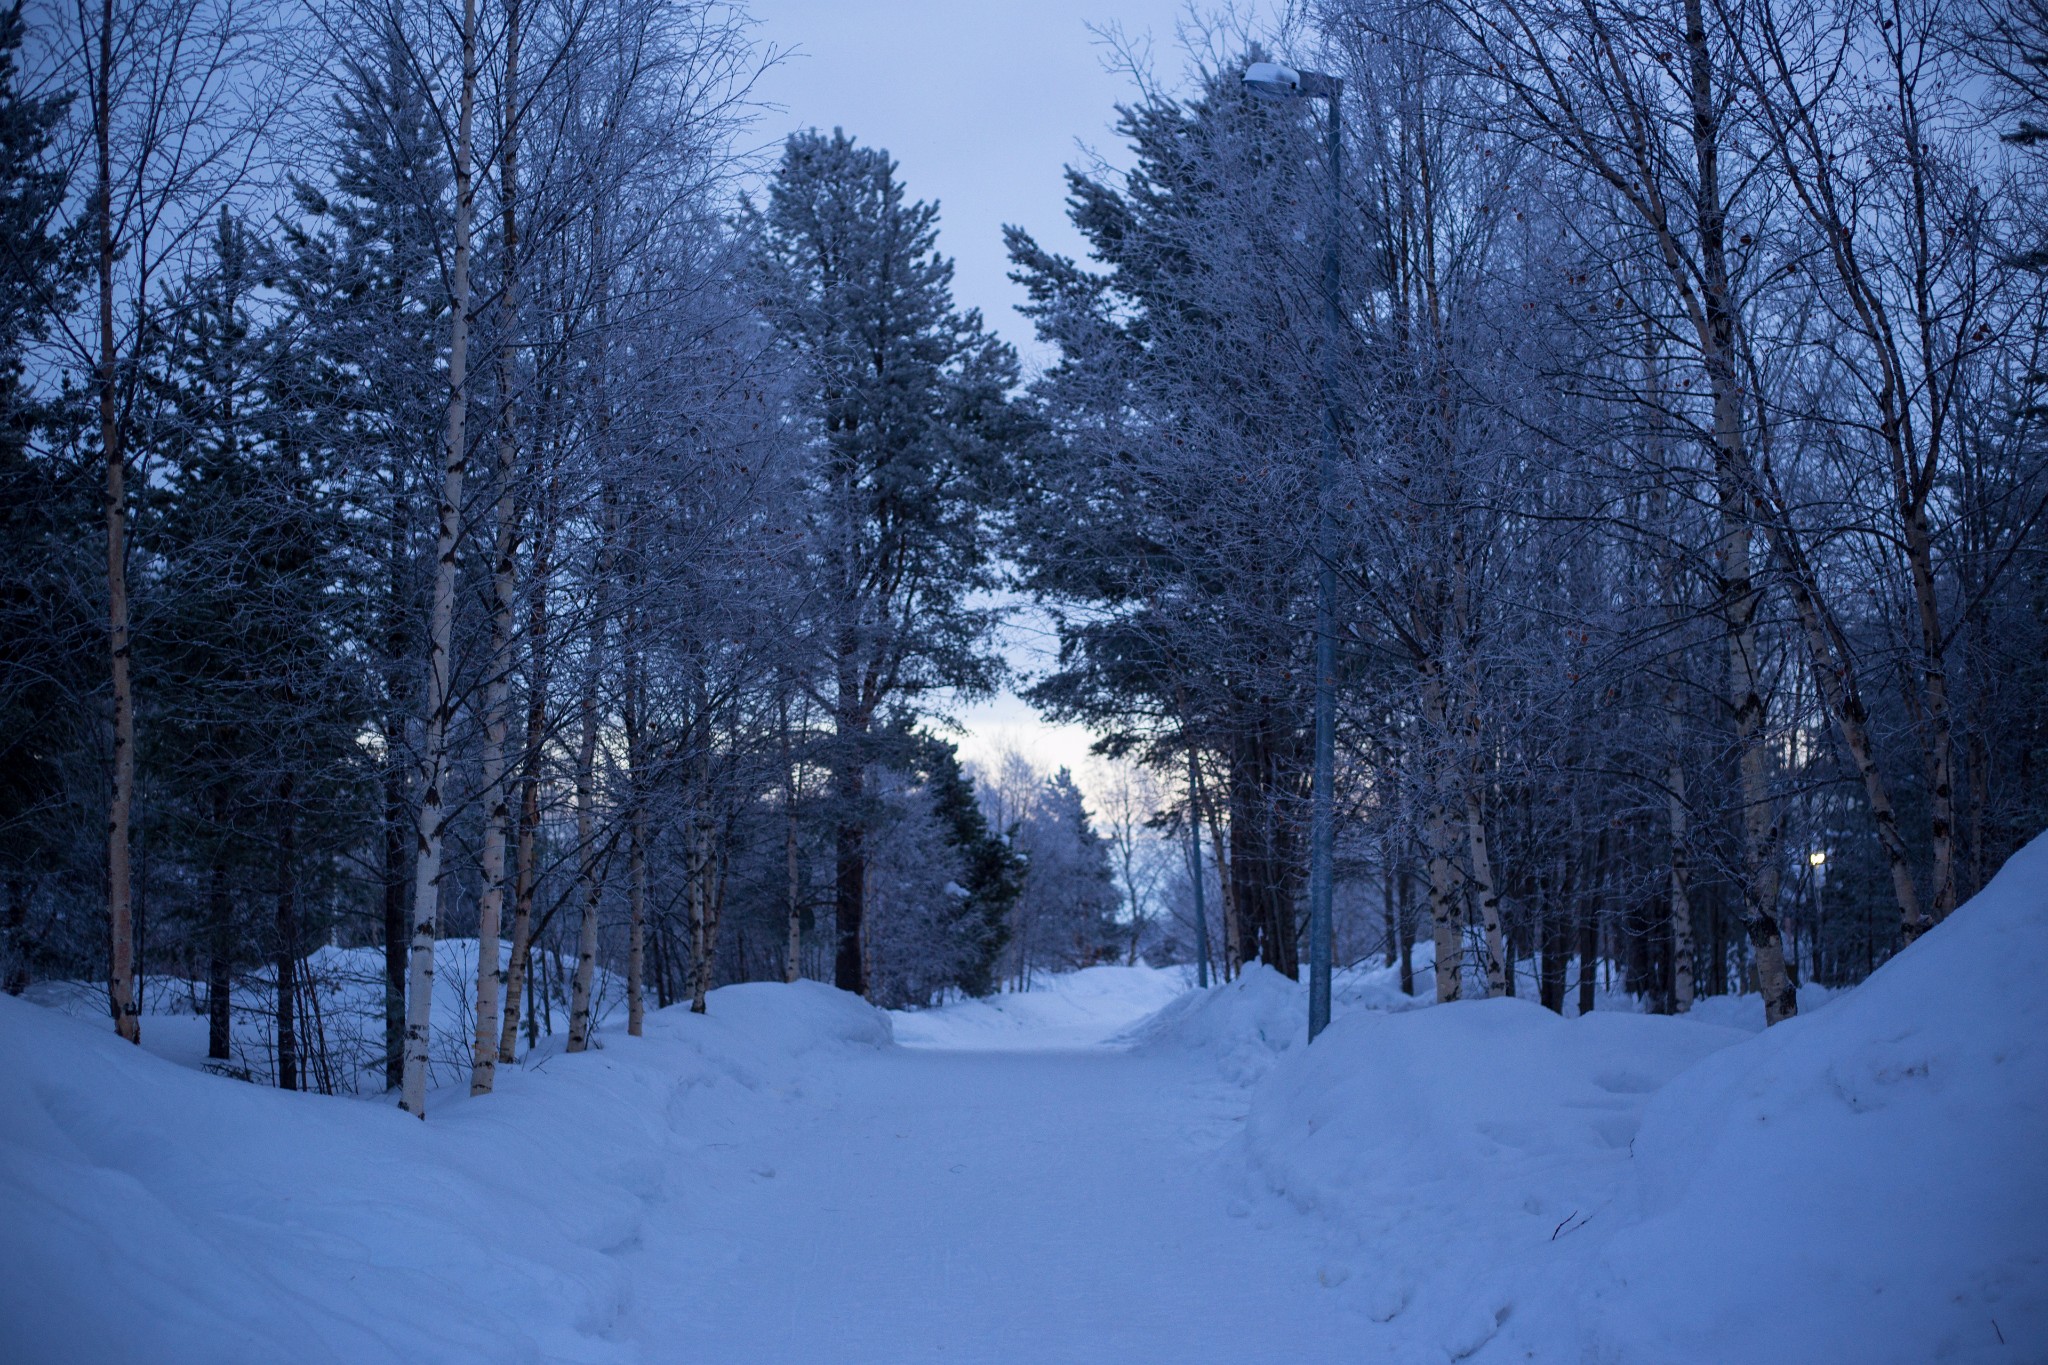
(1274, 81)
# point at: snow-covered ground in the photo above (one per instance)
(782, 1180)
(1070, 1009)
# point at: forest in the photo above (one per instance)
(455, 484)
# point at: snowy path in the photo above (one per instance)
(984, 1206)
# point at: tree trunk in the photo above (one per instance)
(492, 1016)
(1388, 913)
(1717, 319)
(490, 977)
(849, 968)
(1443, 908)
(17, 935)
(1589, 903)
(792, 959)
(1555, 947)
(1678, 816)
(395, 878)
(1485, 897)
(529, 788)
(1406, 923)
(637, 778)
(1939, 742)
(220, 947)
(586, 839)
(1677, 809)
(287, 942)
(1233, 928)
(707, 902)
(426, 886)
(121, 1000)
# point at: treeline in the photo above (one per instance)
(1691, 604)
(440, 502)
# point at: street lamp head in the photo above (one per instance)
(1270, 80)
(1817, 857)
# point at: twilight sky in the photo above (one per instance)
(981, 102)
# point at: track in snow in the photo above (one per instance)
(931, 1204)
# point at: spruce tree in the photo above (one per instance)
(257, 705)
(1170, 524)
(46, 631)
(359, 263)
(994, 872)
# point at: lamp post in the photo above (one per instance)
(1270, 80)
(1817, 860)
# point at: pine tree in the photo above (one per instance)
(906, 397)
(1174, 505)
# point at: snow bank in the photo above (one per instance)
(1065, 1009)
(149, 1212)
(1244, 1026)
(1458, 1145)
(1869, 1183)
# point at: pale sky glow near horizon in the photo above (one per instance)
(981, 103)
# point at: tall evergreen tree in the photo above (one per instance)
(45, 631)
(1172, 516)
(906, 399)
(994, 871)
(257, 709)
(361, 267)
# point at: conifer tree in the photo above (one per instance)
(359, 266)
(257, 704)
(905, 397)
(43, 631)
(993, 870)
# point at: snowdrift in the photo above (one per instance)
(1869, 1183)
(150, 1212)
(1243, 1026)
(1064, 1009)
(1866, 1183)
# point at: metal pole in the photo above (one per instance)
(1322, 815)
(1195, 864)
(1819, 913)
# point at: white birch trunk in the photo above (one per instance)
(1485, 897)
(426, 891)
(516, 983)
(490, 977)
(586, 841)
(1447, 924)
(1679, 815)
(636, 833)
